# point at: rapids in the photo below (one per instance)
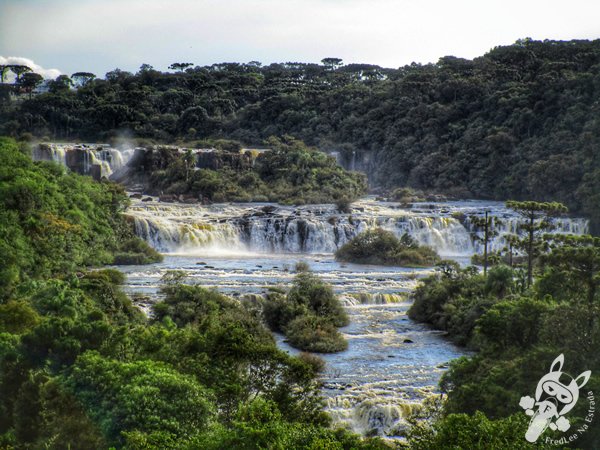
(392, 364)
(266, 228)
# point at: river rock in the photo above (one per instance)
(166, 198)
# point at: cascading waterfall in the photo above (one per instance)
(98, 160)
(392, 364)
(319, 228)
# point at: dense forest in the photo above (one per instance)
(521, 121)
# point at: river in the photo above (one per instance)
(392, 363)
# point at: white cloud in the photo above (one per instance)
(19, 60)
(99, 35)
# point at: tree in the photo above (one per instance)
(3, 71)
(578, 258)
(180, 66)
(537, 219)
(486, 223)
(19, 70)
(61, 84)
(82, 78)
(29, 81)
(189, 160)
(332, 63)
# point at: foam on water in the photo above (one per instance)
(392, 364)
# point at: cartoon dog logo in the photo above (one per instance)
(556, 394)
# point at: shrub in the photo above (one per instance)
(136, 251)
(315, 334)
(382, 247)
(308, 315)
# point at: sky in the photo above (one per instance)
(66, 36)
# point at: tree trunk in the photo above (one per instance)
(530, 253)
(485, 245)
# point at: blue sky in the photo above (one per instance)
(100, 35)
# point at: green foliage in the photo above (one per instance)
(453, 299)
(289, 172)
(144, 396)
(259, 425)
(315, 334)
(309, 314)
(53, 222)
(475, 432)
(382, 247)
(507, 124)
(517, 337)
(136, 251)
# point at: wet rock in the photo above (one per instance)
(408, 341)
(269, 209)
(201, 263)
(189, 200)
(147, 199)
(166, 198)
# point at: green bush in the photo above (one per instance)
(382, 247)
(315, 334)
(309, 314)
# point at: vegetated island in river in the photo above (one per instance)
(309, 314)
(382, 247)
(288, 172)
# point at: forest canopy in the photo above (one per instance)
(519, 122)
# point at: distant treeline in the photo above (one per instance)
(521, 121)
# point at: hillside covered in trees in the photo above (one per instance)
(521, 121)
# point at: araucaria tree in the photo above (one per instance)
(487, 224)
(537, 219)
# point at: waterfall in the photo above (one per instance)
(172, 228)
(97, 160)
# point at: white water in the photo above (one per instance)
(82, 158)
(392, 364)
(373, 385)
(176, 228)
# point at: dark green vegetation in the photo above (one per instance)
(518, 329)
(81, 367)
(290, 172)
(52, 222)
(382, 247)
(509, 124)
(309, 314)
